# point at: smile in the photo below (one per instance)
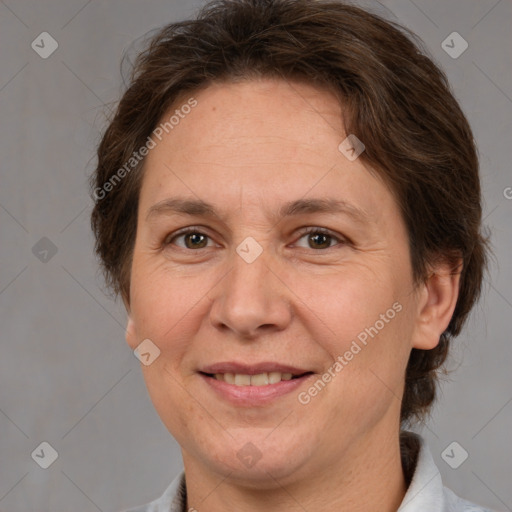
(261, 379)
(255, 389)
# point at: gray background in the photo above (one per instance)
(66, 374)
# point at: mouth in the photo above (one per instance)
(253, 385)
(260, 379)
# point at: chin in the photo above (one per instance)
(259, 461)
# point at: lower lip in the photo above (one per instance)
(251, 396)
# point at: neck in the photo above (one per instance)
(367, 477)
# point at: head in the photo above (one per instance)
(244, 108)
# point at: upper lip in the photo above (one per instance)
(252, 369)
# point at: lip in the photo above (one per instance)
(254, 396)
(252, 369)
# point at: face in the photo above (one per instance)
(298, 263)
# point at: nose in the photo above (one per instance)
(251, 299)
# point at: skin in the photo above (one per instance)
(248, 148)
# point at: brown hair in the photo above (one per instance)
(397, 101)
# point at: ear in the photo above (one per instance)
(131, 335)
(437, 298)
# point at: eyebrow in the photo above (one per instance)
(200, 208)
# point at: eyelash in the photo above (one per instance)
(307, 231)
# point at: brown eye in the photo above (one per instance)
(319, 240)
(188, 239)
(195, 240)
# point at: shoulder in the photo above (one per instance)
(426, 490)
(456, 504)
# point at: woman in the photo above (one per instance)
(288, 202)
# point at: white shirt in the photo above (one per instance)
(425, 493)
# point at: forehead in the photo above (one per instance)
(266, 140)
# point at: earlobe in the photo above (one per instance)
(437, 301)
(130, 335)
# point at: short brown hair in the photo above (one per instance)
(396, 100)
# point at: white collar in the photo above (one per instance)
(424, 494)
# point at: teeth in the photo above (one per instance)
(242, 380)
(262, 379)
(228, 377)
(259, 380)
(274, 377)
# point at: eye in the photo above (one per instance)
(192, 239)
(319, 238)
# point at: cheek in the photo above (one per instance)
(164, 302)
(362, 321)
(342, 306)
(168, 395)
